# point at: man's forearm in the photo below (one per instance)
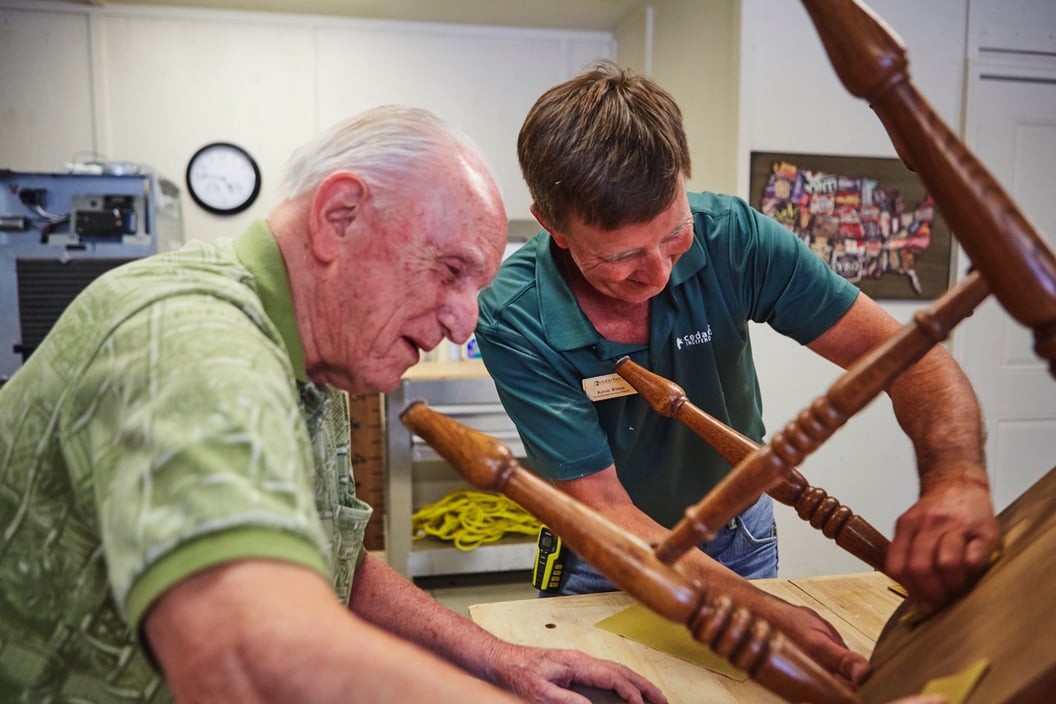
(937, 408)
(383, 597)
(265, 631)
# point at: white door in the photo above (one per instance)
(1012, 129)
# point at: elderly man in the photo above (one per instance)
(178, 508)
(630, 264)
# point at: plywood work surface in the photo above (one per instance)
(856, 604)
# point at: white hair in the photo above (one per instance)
(389, 146)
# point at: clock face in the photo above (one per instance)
(223, 178)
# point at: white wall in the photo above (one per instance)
(152, 85)
(695, 57)
(792, 101)
(634, 40)
(46, 114)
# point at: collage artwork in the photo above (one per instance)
(869, 219)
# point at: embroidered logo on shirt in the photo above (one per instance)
(700, 337)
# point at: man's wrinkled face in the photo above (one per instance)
(631, 263)
(413, 280)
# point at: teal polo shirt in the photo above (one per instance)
(540, 348)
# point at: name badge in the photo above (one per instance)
(599, 388)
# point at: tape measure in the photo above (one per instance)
(549, 561)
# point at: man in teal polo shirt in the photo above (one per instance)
(629, 264)
(178, 515)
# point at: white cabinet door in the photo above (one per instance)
(1012, 129)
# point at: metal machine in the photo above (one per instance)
(59, 231)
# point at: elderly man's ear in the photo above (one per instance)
(334, 212)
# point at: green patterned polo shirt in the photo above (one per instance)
(164, 426)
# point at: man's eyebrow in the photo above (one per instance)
(680, 226)
(473, 262)
(675, 231)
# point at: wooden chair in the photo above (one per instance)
(1010, 614)
(917, 646)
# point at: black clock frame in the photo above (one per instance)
(223, 211)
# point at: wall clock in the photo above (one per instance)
(223, 178)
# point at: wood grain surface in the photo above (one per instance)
(856, 604)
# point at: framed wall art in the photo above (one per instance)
(871, 219)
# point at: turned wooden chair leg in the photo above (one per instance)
(835, 521)
(1002, 243)
(857, 386)
(716, 620)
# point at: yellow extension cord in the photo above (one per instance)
(472, 518)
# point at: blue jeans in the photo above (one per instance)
(747, 545)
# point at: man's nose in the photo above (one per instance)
(657, 267)
(458, 316)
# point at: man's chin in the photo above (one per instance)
(386, 388)
(365, 382)
(375, 384)
(386, 381)
(636, 296)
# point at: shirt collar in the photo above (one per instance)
(565, 325)
(689, 263)
(259, 253)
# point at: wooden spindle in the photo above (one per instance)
(836, 521)
(856, 387)
(745, 640)
(871, 62)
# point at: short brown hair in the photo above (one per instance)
(607, 146)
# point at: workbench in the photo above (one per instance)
(858, 605)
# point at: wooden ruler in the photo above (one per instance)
(367, 436)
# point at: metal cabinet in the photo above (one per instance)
(416, 475)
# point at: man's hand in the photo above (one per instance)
(544, 675)
(816, 637)
(944, 541)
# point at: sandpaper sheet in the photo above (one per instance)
(642, 625)
(958, 686)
